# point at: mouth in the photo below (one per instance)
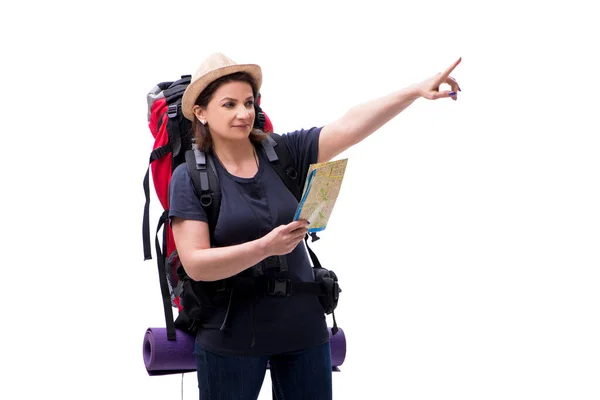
(241, 126)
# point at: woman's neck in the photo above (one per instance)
(239, 157)
(233, 152)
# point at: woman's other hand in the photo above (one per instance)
(283, 239)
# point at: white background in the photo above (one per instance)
(465, 237)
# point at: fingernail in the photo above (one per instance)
(452, 93)
(459, 89)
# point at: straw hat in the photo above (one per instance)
(213, 67)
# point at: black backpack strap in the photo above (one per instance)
(155, 155)
(313, 256)
(206, 183)
(259, 119)
(279, 155)
(173, 95)
(162, 276)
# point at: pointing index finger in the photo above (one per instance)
(449, 70)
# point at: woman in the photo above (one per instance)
(255, 222)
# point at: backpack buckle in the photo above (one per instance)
(271, 262)
(292, 173)
(279, 287)
(172, 111)
(206, 200)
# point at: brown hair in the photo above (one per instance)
(202, 135)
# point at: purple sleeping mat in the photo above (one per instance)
(164, 357)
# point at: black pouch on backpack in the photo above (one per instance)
(186, 324)
(199, 301)
(329, 283)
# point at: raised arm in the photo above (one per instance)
(364, 119)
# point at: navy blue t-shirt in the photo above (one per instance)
(251, 208)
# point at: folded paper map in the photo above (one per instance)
(321, 190)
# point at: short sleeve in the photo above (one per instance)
(183, 202)
(304, 147)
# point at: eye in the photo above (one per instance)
(229, 104)
(250, 103)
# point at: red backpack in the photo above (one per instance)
(173, 136)
(174, 145)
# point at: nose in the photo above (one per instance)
(243, 112)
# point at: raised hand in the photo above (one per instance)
(430, 87)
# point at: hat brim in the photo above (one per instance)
(197, 86)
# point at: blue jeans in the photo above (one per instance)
(303, 374)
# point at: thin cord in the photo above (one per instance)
(255, 156)
(182, 385)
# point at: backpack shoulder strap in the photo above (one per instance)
(281, 159)
(279, 155)
(206, 183)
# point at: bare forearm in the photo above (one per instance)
(361, 121)
(364, 119)
(204, 263)
(222, 262)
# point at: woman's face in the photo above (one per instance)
(230, 112)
